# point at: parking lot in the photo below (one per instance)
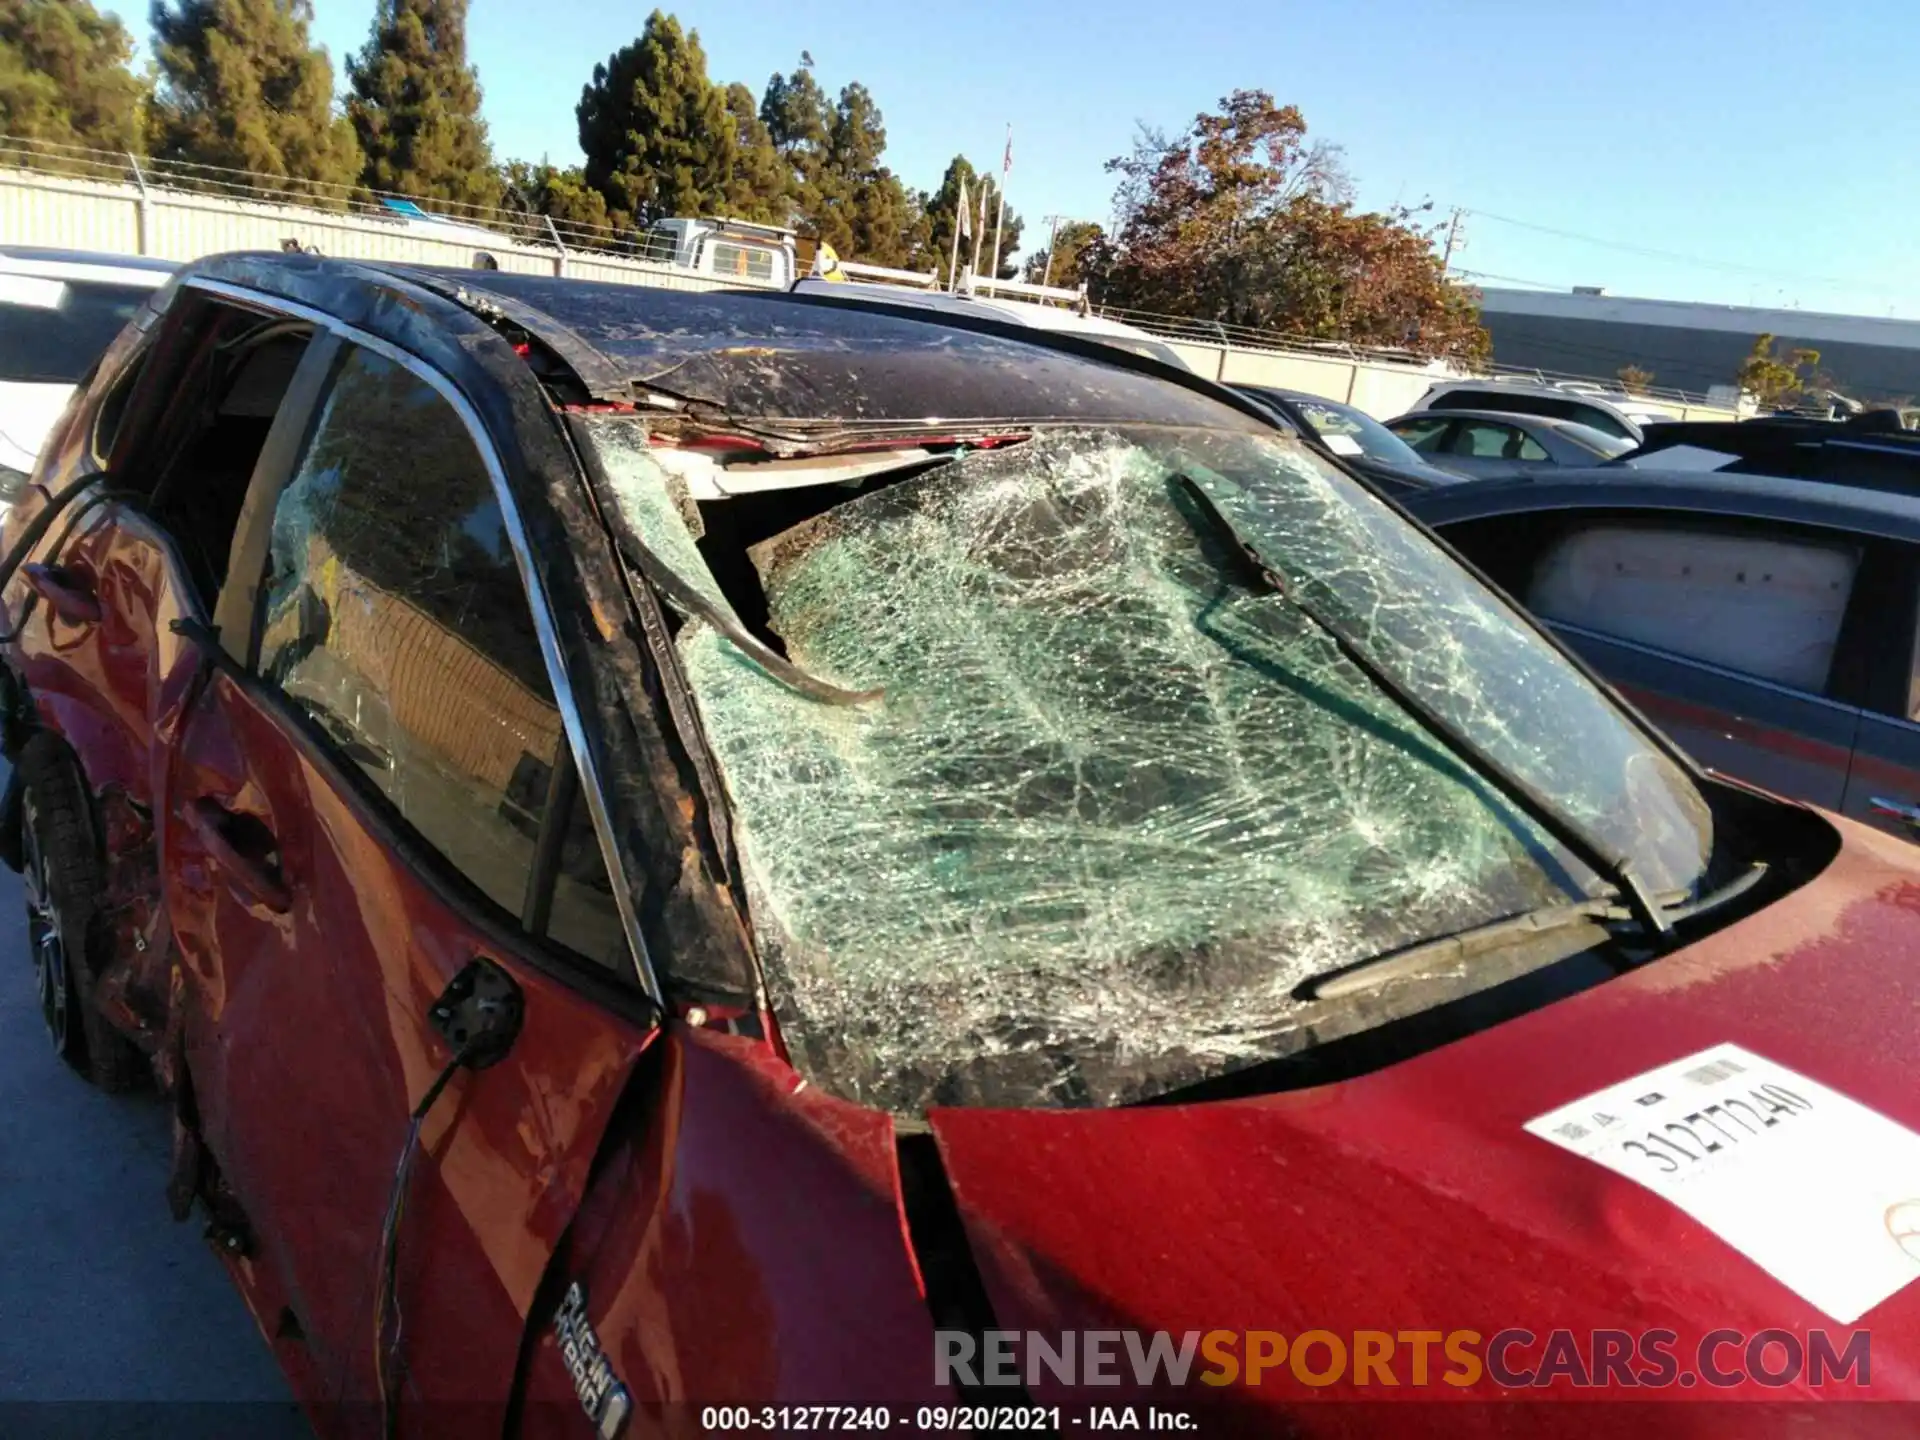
(104, 1298)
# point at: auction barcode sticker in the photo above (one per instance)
(1808, 1184)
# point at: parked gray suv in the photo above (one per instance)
(1767, 625)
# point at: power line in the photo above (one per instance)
(1510, 279)
(1653, 252)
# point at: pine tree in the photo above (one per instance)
(868, 214)
(415, 106)
(244, 88)
(757, 186)
(842, 193)
(64, 76)
(658, 137)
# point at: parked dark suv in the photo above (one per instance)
(677, 851)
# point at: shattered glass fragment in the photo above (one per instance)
(1115, 805)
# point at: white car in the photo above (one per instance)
(59, 309)
(1611, 413)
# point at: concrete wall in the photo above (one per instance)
(1378, 387)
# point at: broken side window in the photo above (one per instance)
(396, 619)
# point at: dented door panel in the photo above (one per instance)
(97, 682)
(743, 1242)
(309, 1044)
(112, 689)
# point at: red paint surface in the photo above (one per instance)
(1411, 1198)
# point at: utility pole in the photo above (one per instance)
(1453, 230)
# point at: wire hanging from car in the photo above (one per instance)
(479, 1015)
(389, 1325)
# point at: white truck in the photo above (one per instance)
(736, 250)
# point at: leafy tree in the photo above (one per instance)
(1060, 265)
(578, 211)
(1634, 379)
(1242, 220)
(942, 216)
(64, 76)
(244, 88)
(415, 105)
(1777, 381)
(657, 133)
(757, 184)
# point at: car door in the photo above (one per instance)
(1734, 637)
(373, 790)
(1883, 784)
(174, 431)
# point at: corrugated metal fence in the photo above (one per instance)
(129, 218)
(93, 200)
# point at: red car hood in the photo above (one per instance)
(1413, 1198)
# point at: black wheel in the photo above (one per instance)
(60, 872)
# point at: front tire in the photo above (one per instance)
(61, 873)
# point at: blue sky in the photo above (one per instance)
(1749, 153)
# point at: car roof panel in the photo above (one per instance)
(1810, 502)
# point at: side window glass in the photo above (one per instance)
(1422, 435)
(1528, 448)
(1769, 606)
(394, 616)
(1598, 419)
(1484, 440)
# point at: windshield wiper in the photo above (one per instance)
(1496, 934)
(1588, 849)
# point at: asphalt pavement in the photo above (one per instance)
(103, 1298)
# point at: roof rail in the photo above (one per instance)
(1025, 290)
(918, 279)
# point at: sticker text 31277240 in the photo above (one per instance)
(1794, 1175)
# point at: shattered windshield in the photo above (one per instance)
(1115, 804)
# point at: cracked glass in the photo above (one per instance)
(1115, 803)
(395, 619)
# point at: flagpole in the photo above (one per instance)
(979, 234)
(1007, 169)
(1000, 212)
(959, 224)
(1000, 215)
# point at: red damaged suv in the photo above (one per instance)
(685, 856)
